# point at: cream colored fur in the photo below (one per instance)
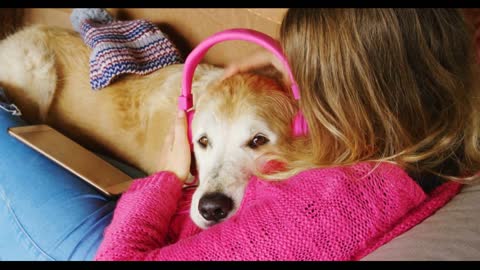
(45, 71)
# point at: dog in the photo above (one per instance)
(238, 121)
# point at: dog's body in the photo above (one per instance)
(45, 71)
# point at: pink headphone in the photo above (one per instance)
(185, 101)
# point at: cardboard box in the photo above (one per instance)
(186, 27)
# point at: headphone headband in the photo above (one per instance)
(194, 58)
(185, 101)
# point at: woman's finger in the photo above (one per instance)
(181, 138)
(181, 150)
(257, 60)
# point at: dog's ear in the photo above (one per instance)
(271, 72)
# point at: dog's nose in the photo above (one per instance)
(215, 206)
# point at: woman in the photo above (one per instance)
(389, 98)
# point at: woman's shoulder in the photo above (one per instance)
(358, 178)
(365, 187)
(355, 172)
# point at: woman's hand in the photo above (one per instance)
(176, 156)
(260, 59)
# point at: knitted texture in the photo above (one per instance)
(121, 47)
(339, 213)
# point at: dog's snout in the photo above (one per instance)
(215, 206)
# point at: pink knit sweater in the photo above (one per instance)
(339, 213)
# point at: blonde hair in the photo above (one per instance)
(394, 85)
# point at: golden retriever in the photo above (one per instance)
(45, 71)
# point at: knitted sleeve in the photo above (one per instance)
(141, 218)
(141, 222)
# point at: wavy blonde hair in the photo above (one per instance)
(392, 85)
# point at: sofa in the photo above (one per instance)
(452, 233)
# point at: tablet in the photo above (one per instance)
(73, 157)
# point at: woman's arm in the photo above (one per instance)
(143, 213)
(141, 222)
(142, 217)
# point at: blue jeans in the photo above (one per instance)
(46, 213)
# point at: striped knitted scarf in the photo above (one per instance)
(121, 47)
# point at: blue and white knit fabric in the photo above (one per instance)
(121, 47)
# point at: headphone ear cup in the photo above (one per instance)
(299, 125)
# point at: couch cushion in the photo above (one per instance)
(452, 233)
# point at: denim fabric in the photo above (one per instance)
(46, 212)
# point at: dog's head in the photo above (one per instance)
(237, 123)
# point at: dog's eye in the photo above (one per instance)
(203, 141)
(257, 141)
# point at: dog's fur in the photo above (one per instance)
(45, 71)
